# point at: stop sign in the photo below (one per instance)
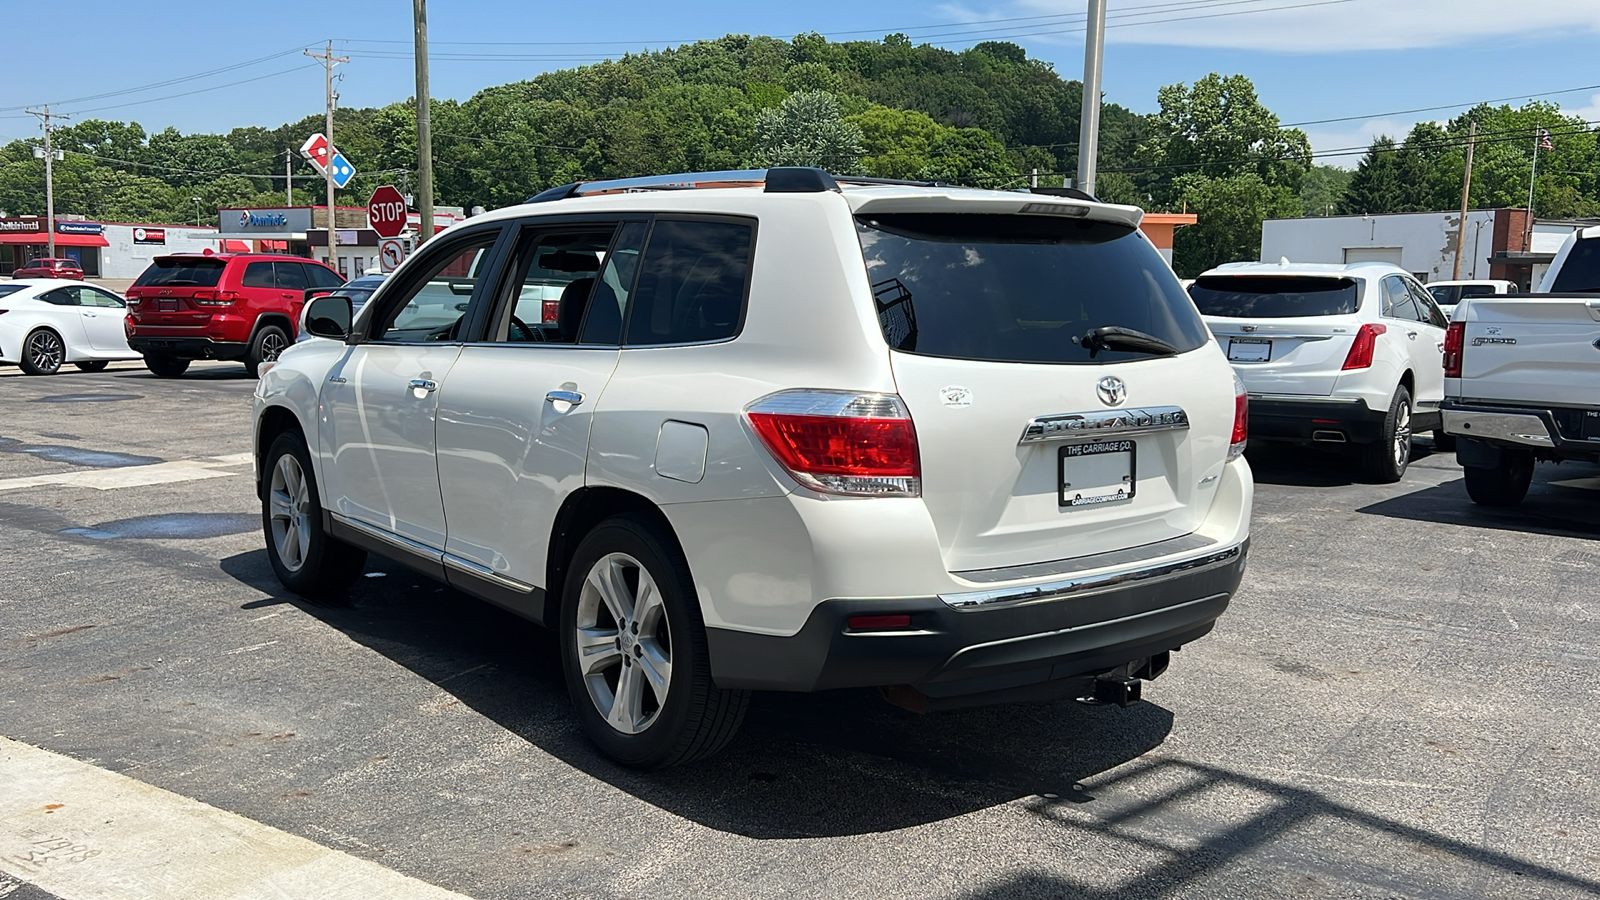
(386, 212)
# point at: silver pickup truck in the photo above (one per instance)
(1522, 377)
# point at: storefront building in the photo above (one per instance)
(113, 250)
(303, 231)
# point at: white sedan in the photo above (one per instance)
(46, 324)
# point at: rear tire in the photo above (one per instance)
(633, 649)
(1385, 459)
(1506, 484)
(43, 352)
(307, 559)
(166, 366)
(269, 344)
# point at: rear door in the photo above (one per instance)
(291, 280)
(1284, 334)
(516, 412)
(1425, 341)
(986, 317)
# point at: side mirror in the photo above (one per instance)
(327, 316)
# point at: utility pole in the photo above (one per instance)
(49, 175)
(424, 125)
(1466, 189)
(328, 62)
(1094, 44)
(288, 176)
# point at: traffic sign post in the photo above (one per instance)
(386, 212)
(391, 253)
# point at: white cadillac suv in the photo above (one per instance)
(784, 432)
(1332, 355)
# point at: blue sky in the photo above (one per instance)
(1310, 59)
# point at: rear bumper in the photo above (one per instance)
(188, 347)
(993, 647)
(1550, 433)
(1319, 419)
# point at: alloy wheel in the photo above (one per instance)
(290, 499)
(1402, 434)
(272, 346)
(624, 643)
(45, 351)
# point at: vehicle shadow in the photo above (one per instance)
(1374, 850)
(1564, 501)
(1291, 465)
(804, 765)
(229, 372)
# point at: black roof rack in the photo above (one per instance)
(776, 180)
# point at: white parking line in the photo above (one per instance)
(134, 476)
(83, 833)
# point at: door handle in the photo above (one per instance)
(1412, 335)
(424, 384)
(569, 397)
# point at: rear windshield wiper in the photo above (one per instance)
(1115, 337)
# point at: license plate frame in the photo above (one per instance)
(165, 305)
(1253, 356)
(1097, 466)
(1589, 429)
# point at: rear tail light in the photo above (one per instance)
(841, 442)
(1241, 420)
(551, 312)
(215, 298)
(1360, 355)
(1455, 341)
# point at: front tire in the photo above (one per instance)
(269, 344)
(166, 366)
(633, 649)
(93, 365)
(43, 352)
(1385, 459)
(1506, 484)
(307, 559)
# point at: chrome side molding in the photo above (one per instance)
(1104, 423)
(1000, 598)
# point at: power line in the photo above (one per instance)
(161, 84)
(199, 90)
(1420, 109)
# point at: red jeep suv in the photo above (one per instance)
(243, 306)
(50, 267)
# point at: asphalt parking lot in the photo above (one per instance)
(1401, 702)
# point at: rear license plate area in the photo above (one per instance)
(1591, 425)
(166, 306)
(1249, 350)
(1097, 473)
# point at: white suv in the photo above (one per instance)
(790, 433)
(1332, 354)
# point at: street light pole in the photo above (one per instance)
(1089, 117)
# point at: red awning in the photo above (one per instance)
(236, 246)
(62, 240)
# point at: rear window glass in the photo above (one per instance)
(1023, 289)
(182, 272)
(1580, 274)
(1255, 297)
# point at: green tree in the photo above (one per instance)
(1322, 190)
(807, 130)
(1230, 210)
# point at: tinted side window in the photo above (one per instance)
(692, 283)
(1428, 311)
(258, 275)
(553, 279)
(1396, 300)
(1580, 273)
(291, 276)
(604, 322)
(322, 276)
(62, 297)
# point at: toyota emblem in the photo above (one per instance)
(1111, 390)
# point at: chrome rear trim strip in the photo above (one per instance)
(1104, 423)
(1056, 590)
(1132, 556)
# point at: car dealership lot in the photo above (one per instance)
(1400, 702)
